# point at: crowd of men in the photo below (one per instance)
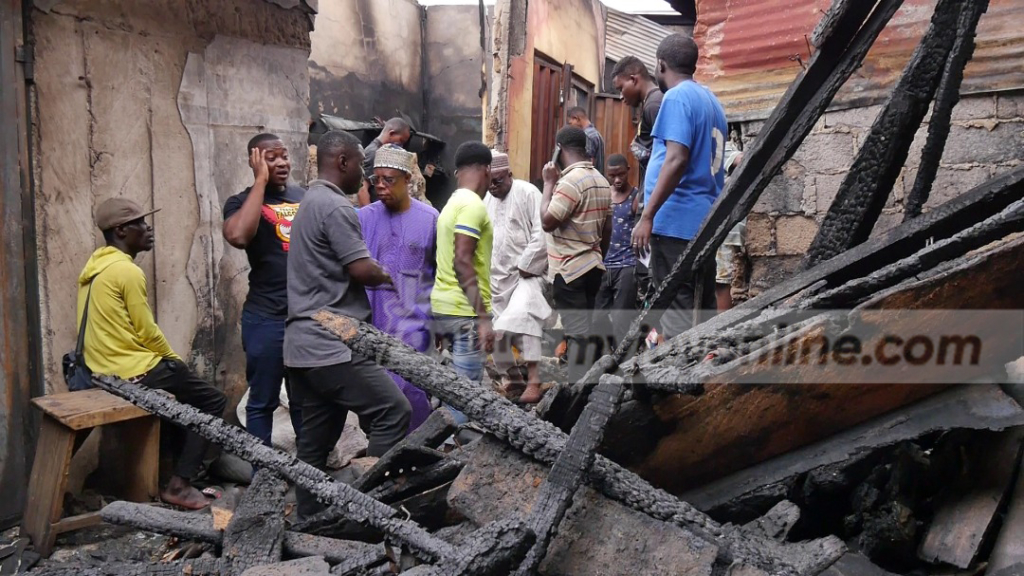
(472, 279)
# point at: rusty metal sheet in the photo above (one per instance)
(752, 51)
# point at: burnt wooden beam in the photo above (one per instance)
(544, 442)
(942, 110)
(184, 525)
(255, 534)
(199, 528)
(878, 163)
(360, 507)
(570, 468)
(192, 567)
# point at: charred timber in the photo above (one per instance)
(199, 528)
(842, 278)
(255, 534)
(868, 184)
(543, 442)
(939, 254)
(437, 427)
(193, 567)
(942, 111)
(570, 468)
(360, 507)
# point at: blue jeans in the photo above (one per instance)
(467, 357)
(263, 342)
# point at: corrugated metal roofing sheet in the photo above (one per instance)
(751, 51)
(626, 34)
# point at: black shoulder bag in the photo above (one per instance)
(76, 373)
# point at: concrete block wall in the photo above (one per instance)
(987, 138)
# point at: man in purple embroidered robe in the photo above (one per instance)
(401, 234)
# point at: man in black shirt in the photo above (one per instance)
(259, 220)
(639, 90)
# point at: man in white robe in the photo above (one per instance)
(518, 263)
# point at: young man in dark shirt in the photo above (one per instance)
(259, 221)
(639, 90)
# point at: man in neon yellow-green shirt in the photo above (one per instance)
(122, 338)
(461, 299)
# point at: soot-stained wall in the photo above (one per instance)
(114, 119)
(366, 60)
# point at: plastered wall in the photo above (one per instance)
(113, 119)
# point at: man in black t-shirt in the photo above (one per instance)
(639, 90)
(259, 220)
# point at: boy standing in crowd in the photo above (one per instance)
(617, 297)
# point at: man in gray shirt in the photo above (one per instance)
(328, 266)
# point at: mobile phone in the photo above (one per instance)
(556, 154)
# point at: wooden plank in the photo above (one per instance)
(965, 515)
(1009, 547)
(199, 527)
(255, 535)
(570, 468)
(140, 439)
(77, 522)
(88, 408)
(47, 483)
(19, 282)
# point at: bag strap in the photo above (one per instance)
(80, 345)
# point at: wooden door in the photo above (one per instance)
(616, 121)
(549, 108)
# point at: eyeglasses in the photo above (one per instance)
(498, 181)
(388, 181)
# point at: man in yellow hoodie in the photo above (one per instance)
(123, 340)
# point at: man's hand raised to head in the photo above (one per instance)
(258, 163)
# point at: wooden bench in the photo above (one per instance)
(65, 416)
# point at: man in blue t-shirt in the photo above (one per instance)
(684, 177)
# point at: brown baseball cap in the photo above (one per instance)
(117, 211)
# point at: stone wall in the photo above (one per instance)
(987, 138)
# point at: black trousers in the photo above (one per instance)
(678, 317)
(575, 302)
(616, 304)
(327, 394)
(174, 376)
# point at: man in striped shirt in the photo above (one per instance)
(576, 214)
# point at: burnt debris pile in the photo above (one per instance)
(696, 457)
